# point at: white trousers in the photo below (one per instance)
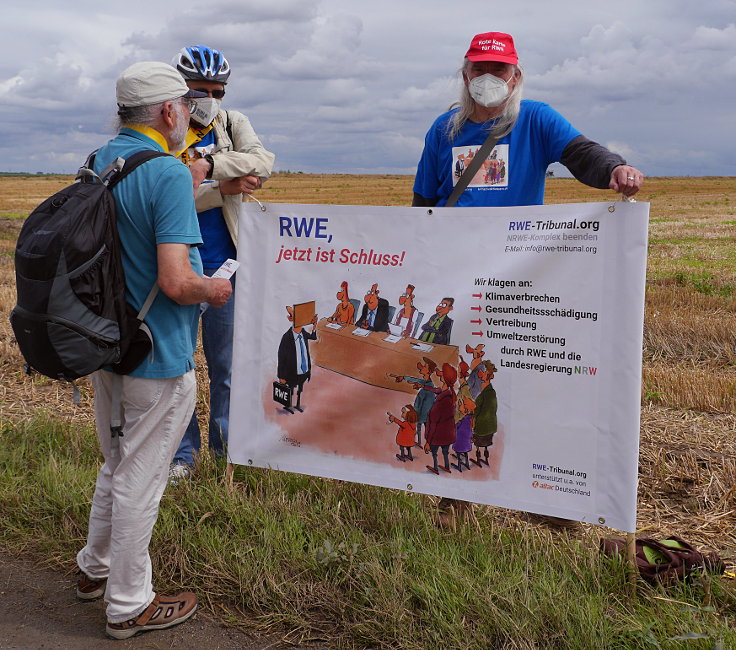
(155, 413)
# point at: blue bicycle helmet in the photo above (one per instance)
(202, 63)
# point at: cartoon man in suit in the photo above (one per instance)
(294, 362)
(374, 316)
(438, 328)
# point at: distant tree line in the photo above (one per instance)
(32, 174)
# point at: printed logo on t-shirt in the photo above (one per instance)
(493, 172)
(200, 151)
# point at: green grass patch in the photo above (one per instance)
(704, 283)
(354, 565)
(691, 239)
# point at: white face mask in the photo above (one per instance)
(488, 90)
(206, 110)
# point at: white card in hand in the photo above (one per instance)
(226, 272)
(227, 269)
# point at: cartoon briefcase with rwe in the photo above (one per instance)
(282, 393)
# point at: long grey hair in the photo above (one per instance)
(503, 124)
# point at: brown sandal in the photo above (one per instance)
(89, 588)
(162, 613)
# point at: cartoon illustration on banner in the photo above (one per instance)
(394, 348)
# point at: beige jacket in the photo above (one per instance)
(243, 156)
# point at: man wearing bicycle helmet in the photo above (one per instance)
(226, 160)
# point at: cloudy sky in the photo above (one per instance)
(352, 87)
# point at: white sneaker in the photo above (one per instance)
(178, 473)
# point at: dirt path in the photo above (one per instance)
(38, 609)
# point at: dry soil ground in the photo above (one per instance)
(38, 610)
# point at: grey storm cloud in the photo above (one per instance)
(345, 86)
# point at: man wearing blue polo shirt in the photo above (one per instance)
(158, 229)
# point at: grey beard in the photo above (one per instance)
(179, 135)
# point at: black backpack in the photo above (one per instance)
(72, 317)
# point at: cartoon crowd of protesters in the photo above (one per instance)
(459, 419)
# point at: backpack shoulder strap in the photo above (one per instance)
(85, 174)
(134, 161)
(90, 160)
(229, 128)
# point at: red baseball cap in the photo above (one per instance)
(493, 46)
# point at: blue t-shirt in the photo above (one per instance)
(514, 172)
(218, 244)
(155, 205)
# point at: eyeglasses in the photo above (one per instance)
(217, 93)
(191, 104)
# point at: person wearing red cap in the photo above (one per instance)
(531, 135)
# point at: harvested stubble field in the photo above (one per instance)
(688, 434)
(688, 424)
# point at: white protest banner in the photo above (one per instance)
(537, 311)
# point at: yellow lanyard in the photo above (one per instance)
(150, 133)
(194, 135)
